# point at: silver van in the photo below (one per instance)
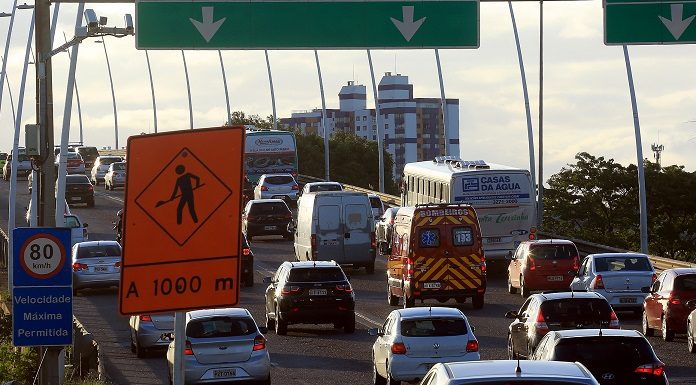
(336, 225)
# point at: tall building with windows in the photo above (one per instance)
(413, 128)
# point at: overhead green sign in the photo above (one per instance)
(649, 22)
(271, 24)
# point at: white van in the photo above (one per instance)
(336, 225)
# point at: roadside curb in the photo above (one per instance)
(87, 353)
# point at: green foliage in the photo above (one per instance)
(15, 364)
(240, 118)
(596, 199)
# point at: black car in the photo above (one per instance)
(247, 263)
(78, 189)
(266, 217)
(310, 292)
(89, 155)
(613, 356)
(542, 313)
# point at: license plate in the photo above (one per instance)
(554, 278)
(100, 269)
(75, 198)
(627, 300)
(432, 285)
(494, 240)
(317, 291)
(278, 197)
(223, 373)
(331, 243)
(269, 227)
(167, 337)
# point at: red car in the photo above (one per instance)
(665, 306)
(548, 264)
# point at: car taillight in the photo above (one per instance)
(654, 278)
(674, 300)
(188, 350)
(576, 263)
(79, 266)
(117, 264)
(598, 282)
(313, 241)
(541, 327)
(90, 188)
(295, 187)
(373, 240)
(251, 218)
(613, 321)
(346, 287)
(409, 268)
(472, 346)
(246, 251)
(483, 264)
(655, 369)
(532, 233)
(259, 343)
(398, 348)
(145, 318)
(531, 264)
(288, 290)
(264, 188)
(288, 216)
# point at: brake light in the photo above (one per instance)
(314, 245)
(145, 318)
(259, 343)
(409, 268)
(295, 187)
(288, 216)
(289, 290)
(344, 287)
(246, 251)
(117, 264)
(655, 369)
(674, 300)
(541, 327)
(576, 263)
(264, 188)
(483, 264)
(531, 263)
(90, 188)
(598, 282)
(79, 266)
(654, 278)
(472, 346)
(532, 233)
(398, 348)
(188, 350)
(373, 240)
(613, 321)
(251, 217)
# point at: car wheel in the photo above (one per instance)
(139, 350)
(690, 342)
(647, 331)
(393, 300)
(376, 378)
(270, 324)
(523, 289)
(511, 289)
(132, 344)
(249, 279)
(370, 268)
(349, 326)
(390, 380)
(281, 326)
(511, 348)
(478, 301)
(667, 334)
(90, 203)
(267, 381)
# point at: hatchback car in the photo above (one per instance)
(150, 331)
(23, 166)
(115, 176)
(321, 186)
(78, 189)
(509, 373)
(96, 264)
(266, 217)
(412, 340)
(223, 345)
(74, 163)
(277, 186)
(549, 264)
(384, 227)
(309, 293)
(665, 306)
(619, 277)
(101, 166)
(613, 356)
(542, 313)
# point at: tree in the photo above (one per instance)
(240, 118)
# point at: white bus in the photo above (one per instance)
(503, 196)
(269, 152)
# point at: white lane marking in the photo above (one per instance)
(117, 199)
(368, 319)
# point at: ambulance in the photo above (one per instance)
(436, 252)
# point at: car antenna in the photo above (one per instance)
(430, 310)
(518, 369)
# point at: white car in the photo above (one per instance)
(412, 340)
(619, 277)
(74, 163)
(150, 331)
(321, 186)
(115, 176)
(277, 186)
(101, 166)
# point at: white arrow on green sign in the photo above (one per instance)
(649, 22)
(283, 24)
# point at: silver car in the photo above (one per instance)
(223, 345)
(148, 331)
(115, 176)
(509, 372)
(101, 166)
(96, 264)
(619, 277)
(412, 340)
(277, 186)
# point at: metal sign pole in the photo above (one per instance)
(378, 117)
(327, 174)
(443, 102)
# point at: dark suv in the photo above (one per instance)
(89, 155)
(309, 292)
(542, 313)
(613, 356)
(78, 189)
(266, 217)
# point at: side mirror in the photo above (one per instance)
(691, 304)
(653, 287)
(268, 280)
(512, 315)
(263, 329)
(645, 289)
(85, 225)
(375, 332)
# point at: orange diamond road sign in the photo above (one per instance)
(181, 223)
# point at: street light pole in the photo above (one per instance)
(152, 90)
(188, 89)
(77, 92)
(113, 94)
(7, 48)
(224, 83)
(9, 91)
(270, 83)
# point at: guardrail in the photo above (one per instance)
(4, 250)
(584, 247)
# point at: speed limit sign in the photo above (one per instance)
(42, 256)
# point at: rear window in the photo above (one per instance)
(622, 352)
(322, 274)
(98, 251)
(622, 264)
(88, 151)
(685, 282)
(74, 155)
(325, 187)
(22, 158)
(119, 166)
(220, 327)
(269, 208)
(429, 237)
(572, 309)
(76, 179)
(433, 327)
(552, 252)
(108, 161)
(281, 179)
(376, 203)
(462, 236)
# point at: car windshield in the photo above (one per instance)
(77, 179)
(3, 156)
(279, 179)
(622, 264)
(685, 282)
(325, 187)
(433, 327)
(98, 251)
(322, 274)
(108, 161)
(269, 208)
(119, 166)
(620, 352)
(220, 327)
(553, 252)
(22, 158)
(575, 309)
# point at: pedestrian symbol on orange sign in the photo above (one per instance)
(183, 190)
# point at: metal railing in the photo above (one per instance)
(4, 250)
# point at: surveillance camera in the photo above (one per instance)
(102, 20)
(91, 19)
(129, 22)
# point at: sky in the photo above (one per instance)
(586, 101)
